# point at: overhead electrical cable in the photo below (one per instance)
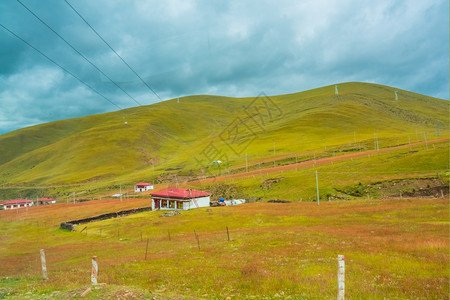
(64, 69)
(112, 49)
(78, 52)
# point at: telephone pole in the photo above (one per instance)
(317, 187)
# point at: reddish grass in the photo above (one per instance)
(61, 212)
(294, 252)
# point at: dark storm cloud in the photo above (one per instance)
(232, 48)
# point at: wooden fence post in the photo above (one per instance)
(341, 277)
(44, 265)
(94, 272)
(197, 238)
(228, 234)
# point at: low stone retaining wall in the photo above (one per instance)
(69, 224)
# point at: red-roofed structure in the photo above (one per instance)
(18, 203)
(180, 199)
(142, 187)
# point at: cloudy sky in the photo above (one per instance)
(231, 48)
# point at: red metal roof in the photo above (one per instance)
(143, 183)
(180, 193)
(17, 201)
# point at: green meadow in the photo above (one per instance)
(396, 249)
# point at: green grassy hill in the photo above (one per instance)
(151, 142)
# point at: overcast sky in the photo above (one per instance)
(230, 48)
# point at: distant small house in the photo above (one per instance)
(45, 201)
(142, 187)
(180, 199)
(18, 203)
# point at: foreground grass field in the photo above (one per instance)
(395, 248)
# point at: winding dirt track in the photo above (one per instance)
(309, 163)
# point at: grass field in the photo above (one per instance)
(382, 171)
(396, 248)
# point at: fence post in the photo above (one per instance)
(341, 277)
(44, 265)
(94, 272)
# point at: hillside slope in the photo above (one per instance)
(144, 142)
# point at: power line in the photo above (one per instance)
(78, 52)
(87, 23)
(64, 69)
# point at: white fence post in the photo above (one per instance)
(341, 277)
(94, 271)
(44, 265)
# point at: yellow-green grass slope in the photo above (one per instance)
(143, 142)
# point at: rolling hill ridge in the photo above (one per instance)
(147, 142)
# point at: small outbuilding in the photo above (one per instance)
(45, 201)
(142, 187)
(18, 203)
(180, 199)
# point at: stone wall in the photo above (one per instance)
(69, 224)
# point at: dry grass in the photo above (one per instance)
(393, 249)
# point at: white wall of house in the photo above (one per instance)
(19, 205)
(202, 202)
(143, 189)
(46, 202)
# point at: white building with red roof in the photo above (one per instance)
(18, 203)
(179, 199)
(142, 187)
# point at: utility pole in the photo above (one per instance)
(375, 137)
(120, 192)
(246, 163)
(73, 197)
(274, 154)
(425, 137)
(317, 187)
